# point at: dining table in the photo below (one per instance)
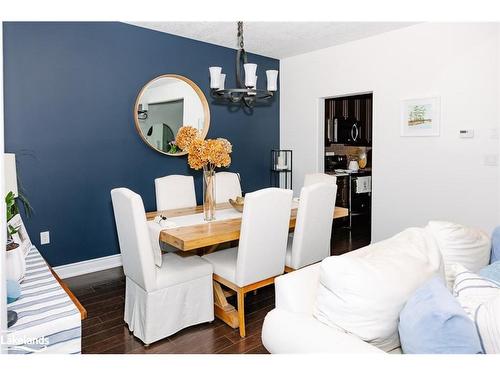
(189, 232)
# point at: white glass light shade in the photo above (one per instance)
(215, 73)
(10, 173)
(222, 81)
(272, 80)
(250, 75)
(255, 87)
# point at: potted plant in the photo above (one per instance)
(206, 154)
(12, 210)
(15, 262)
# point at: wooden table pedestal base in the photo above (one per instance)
(223, 309)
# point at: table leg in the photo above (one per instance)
(223, 309)
(210, 249)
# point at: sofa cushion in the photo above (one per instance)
(480, 298)
(460, 244)
(364, 291)
(491, 271)
(433, 322)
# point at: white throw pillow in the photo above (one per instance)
(364, 291)
(460, 244)
(480, 298)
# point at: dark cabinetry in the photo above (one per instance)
(343, 186)
(348, 120)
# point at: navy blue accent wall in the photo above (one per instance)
(69, 93)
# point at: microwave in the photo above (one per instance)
(344, 131)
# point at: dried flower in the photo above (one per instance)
(185, 136)
(204, 153)
(197, 153)
(216, 153)
(227, 145)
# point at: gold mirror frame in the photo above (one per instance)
(201, 95)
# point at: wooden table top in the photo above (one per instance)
(197, 236)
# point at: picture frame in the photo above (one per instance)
(421, 117)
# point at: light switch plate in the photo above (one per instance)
(491, 160)
(494, 133)
(466, 133)
(44, 238)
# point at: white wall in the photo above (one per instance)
(414, 179)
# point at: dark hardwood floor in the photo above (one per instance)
(104, 331)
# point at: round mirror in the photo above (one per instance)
(165, 104)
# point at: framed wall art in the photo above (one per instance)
(421, 117)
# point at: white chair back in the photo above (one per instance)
(174, 191)
(313, 228)
(263, 236)
(227, 185)
(133, 238)
(315, 178)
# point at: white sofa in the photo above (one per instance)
(291, 327)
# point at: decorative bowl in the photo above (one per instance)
(237, 203)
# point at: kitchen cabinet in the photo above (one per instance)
(348, 120)
(343, 186)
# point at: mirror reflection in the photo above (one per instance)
(164, 105)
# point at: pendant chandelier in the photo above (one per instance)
(246, 94)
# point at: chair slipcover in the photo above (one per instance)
(158, 301)
(227, 185)
(175, 191)
(310, 242)
(264, 231)
(314, 178)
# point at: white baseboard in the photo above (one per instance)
(88, 266)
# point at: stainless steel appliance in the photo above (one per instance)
(360, 192)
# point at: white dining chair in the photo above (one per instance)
(227, 185)
(314, 178)
(159, 301)
(174, 191)
(260, 255)
(310, 242)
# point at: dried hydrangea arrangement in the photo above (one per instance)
(206, 154)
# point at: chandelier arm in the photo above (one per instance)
(245, 96)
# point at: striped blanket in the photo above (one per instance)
(48, 321)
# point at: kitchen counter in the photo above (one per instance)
(342, 172)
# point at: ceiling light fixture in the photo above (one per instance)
(246, 93)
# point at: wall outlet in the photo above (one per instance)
(44, 238)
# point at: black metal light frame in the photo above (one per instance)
(243, 95)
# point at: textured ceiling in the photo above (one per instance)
(276, 39)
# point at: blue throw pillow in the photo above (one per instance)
(433, 322)
(495, 246)
(491, 272)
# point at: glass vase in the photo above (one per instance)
(208, 193)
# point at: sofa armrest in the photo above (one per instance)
(286, 333)
(296, 291)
